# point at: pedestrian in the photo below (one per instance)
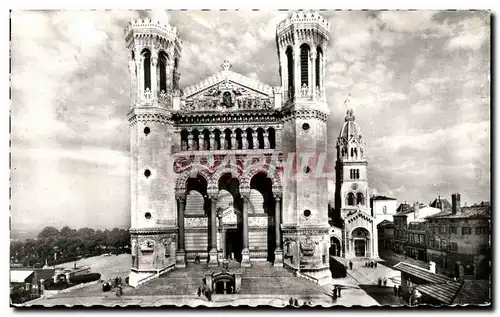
(290, 301)
(375, 264)
(339, 290)
(400, 291)
(296, 303)
(199, 291)
(385, 281)
(350, 265)
(395, 290)
(379, 282)
(334, 294)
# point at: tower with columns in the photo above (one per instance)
(352, 192)
(154, 50)
(302, 40)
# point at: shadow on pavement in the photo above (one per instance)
(384, 295)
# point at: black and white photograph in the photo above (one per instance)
(234, 158)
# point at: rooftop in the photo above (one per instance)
(475, 211)
(380, 197)
(422, 273)
(405, 208)
(445, 204)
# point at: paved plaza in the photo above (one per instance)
(262, 284)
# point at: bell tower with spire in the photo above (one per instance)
(154, 51)
(351, 166)
(302, 40)
(352, 204)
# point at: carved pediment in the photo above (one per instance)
(228, 91)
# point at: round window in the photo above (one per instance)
(147, 215)
(305, 126)
(307, 213)
(147, 130)
(147, 173)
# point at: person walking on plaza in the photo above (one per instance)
(375, 263)
(350, 265)
(385, 281)
(338, 289)
(395, 290)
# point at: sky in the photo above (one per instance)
(419, 86)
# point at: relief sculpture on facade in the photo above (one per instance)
(307, 246)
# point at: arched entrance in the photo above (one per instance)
(229, 207)
(262, 210)
(224, 284)
(335, 246)
(360, 239)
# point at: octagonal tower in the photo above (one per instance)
(154, 51)
(302, 40)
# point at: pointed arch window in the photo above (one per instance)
(147, 69)
(304, 65)
(289, 58)
(319, 57)
(162, 67)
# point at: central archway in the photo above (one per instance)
(229, 207)
(360, 239)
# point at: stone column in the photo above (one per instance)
(190, 142)
(284, 73)
(297, 75)
(212, 140)
(234, 143)
(213, 255)
(153, 69)
(255, 140)
(244, 141)
(245, 253)
(278, 252)
(267, 144)
(181, 252)
(222, 139)
(312, 82)
(140, 75)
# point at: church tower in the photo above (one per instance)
(302, 40)
(154, 51)
(351, 195)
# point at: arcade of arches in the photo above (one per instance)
(237, 220)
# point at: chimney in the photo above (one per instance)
(455, 203)
(416, 208)
(432, 267)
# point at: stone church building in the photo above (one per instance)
(216, 168)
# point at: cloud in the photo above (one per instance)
(418, 80)
(470, 34)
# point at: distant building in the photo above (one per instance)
(416, 244)
(458, 239)
(383, 208)
(385, 231)
(28, 281)
(440, 203)
(405, 214)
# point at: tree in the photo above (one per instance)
(49, 233)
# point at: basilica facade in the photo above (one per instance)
(216, 172)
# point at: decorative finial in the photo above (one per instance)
(226, 65)
(347, 102)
